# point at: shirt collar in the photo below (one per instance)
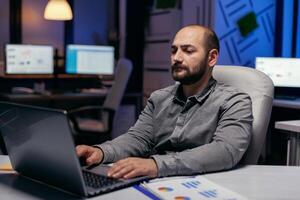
(179, 96)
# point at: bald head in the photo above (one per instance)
(207, 36)
(194, 52)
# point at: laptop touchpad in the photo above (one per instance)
(100, 169)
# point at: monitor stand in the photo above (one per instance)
(39, 87)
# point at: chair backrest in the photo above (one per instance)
(116, 92)
(260, 89)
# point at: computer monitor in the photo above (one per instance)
(284, 72)
(90, 59)
(28, 59)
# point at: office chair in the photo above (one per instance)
(99, 129)
(260, 89)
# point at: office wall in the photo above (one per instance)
(4, 26)
(288, 28)
(37, 30)
(257, 18)
(242, 49)
(90, 23)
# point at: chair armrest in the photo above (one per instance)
(89, 108)
(72, 116)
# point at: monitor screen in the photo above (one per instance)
(284, 72)
(28, 59)
(90, 59)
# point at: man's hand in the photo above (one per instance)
(92, 155)
(133, 167)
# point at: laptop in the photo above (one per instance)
(40, 147)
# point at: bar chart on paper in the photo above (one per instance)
(190, 188)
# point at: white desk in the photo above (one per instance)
(261, 182)
(292, 127)
(293, 107)
(256, 182)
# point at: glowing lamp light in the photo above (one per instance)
(58, 10)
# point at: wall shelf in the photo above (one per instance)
(52, 76)
(26, 76)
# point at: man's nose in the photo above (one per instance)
(177, 57)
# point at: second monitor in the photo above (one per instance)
(90, 59)
(284, 72)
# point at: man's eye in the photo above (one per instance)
(189, 51)
(173, 51)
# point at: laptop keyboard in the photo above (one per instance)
(97, 181)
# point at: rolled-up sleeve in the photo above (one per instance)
(229, 143)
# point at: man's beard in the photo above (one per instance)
(188, 78)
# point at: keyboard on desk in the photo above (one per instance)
(102, 184)
(98, 181)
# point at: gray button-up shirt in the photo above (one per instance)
(206, 132)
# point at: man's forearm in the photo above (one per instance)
(138, 141)
(127, 145)
(210, 157)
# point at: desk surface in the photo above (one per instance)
(54, 96)
(251, 181)
(64, 95)
(65, 100)
(261, 181)
(291, 125)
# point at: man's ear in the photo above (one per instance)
(213, 57)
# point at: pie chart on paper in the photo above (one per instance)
(165, 189)
(182, 198)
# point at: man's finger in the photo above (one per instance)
(117, 167)
(122, 172)
(93, 158)
(113, 169)
(81, 150)
(132, 174)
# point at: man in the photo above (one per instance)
(193, 127)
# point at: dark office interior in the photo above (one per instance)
(141, 31)
(87, 70)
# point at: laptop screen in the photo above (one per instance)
(40, 146)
